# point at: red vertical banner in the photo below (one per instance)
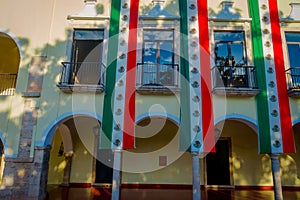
(206, 87)
(129, 109)
(283, 100)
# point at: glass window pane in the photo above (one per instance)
(228, 36)
(150, 52)
(221, 53)
(166, 53)
(237, 53)
(158, 57)
(88, 35)
(149, 73)
(294, 54)
(158, 35)
(292, 37)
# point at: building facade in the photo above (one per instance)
(57, 93)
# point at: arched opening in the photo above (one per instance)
(237, 155)
(290, 163)
(73, 153)
(1, 160)
(156, 158)
(9, 64)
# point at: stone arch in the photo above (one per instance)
(3, 150)
(241, 132)
(168, 116)
(4, 144)
(11, 50)
(66, 138)
(15, 39)
(49, 132)
(72, 138)
(10, 58)
(250, 122)
(290, 163)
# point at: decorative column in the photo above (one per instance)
(196, 176)
(274, 118)
(196, 108)
(119, 100)
(116, 175)
(96, 130)
(118, 125)
(67, 170)
(276, 176)
(38, 184)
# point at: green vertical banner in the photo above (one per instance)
(196, 111)
(118, 123)
(274, 119)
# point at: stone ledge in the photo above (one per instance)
(157, 90)
(244, 92)
(31, 94)
(294, 92)
(81, 88)
(19, 160)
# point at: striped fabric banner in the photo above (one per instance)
(197, 124)
(119, 101)
(274, 119)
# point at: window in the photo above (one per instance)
(230, 49)
(230, 58)
(86, 56)
(158, 58)
(85, 67)
(9, 64)
(293, 46)
(86, 45)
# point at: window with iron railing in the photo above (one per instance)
(293, 47)
(231, 70)
(158, 68)
(85, 70)
(154, 74)
(82, 73)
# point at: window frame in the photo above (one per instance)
(250, 88)
(158, 64)
(243, 42)
(287, 48)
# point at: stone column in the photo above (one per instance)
(67, 170)
(116, 175)
(276, 176)
(26, 178)
(38, 186)
(96, 130)
(196, 176)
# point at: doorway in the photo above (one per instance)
(218, 169)
(104, 166)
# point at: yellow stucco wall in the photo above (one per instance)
(249, 168)
(155, 138)
(57, 163)
(42, 28)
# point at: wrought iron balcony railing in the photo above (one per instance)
(293, 78)
(157, 75)
(82, 73)
(82, 77)
(234, 77)
(7, 84)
